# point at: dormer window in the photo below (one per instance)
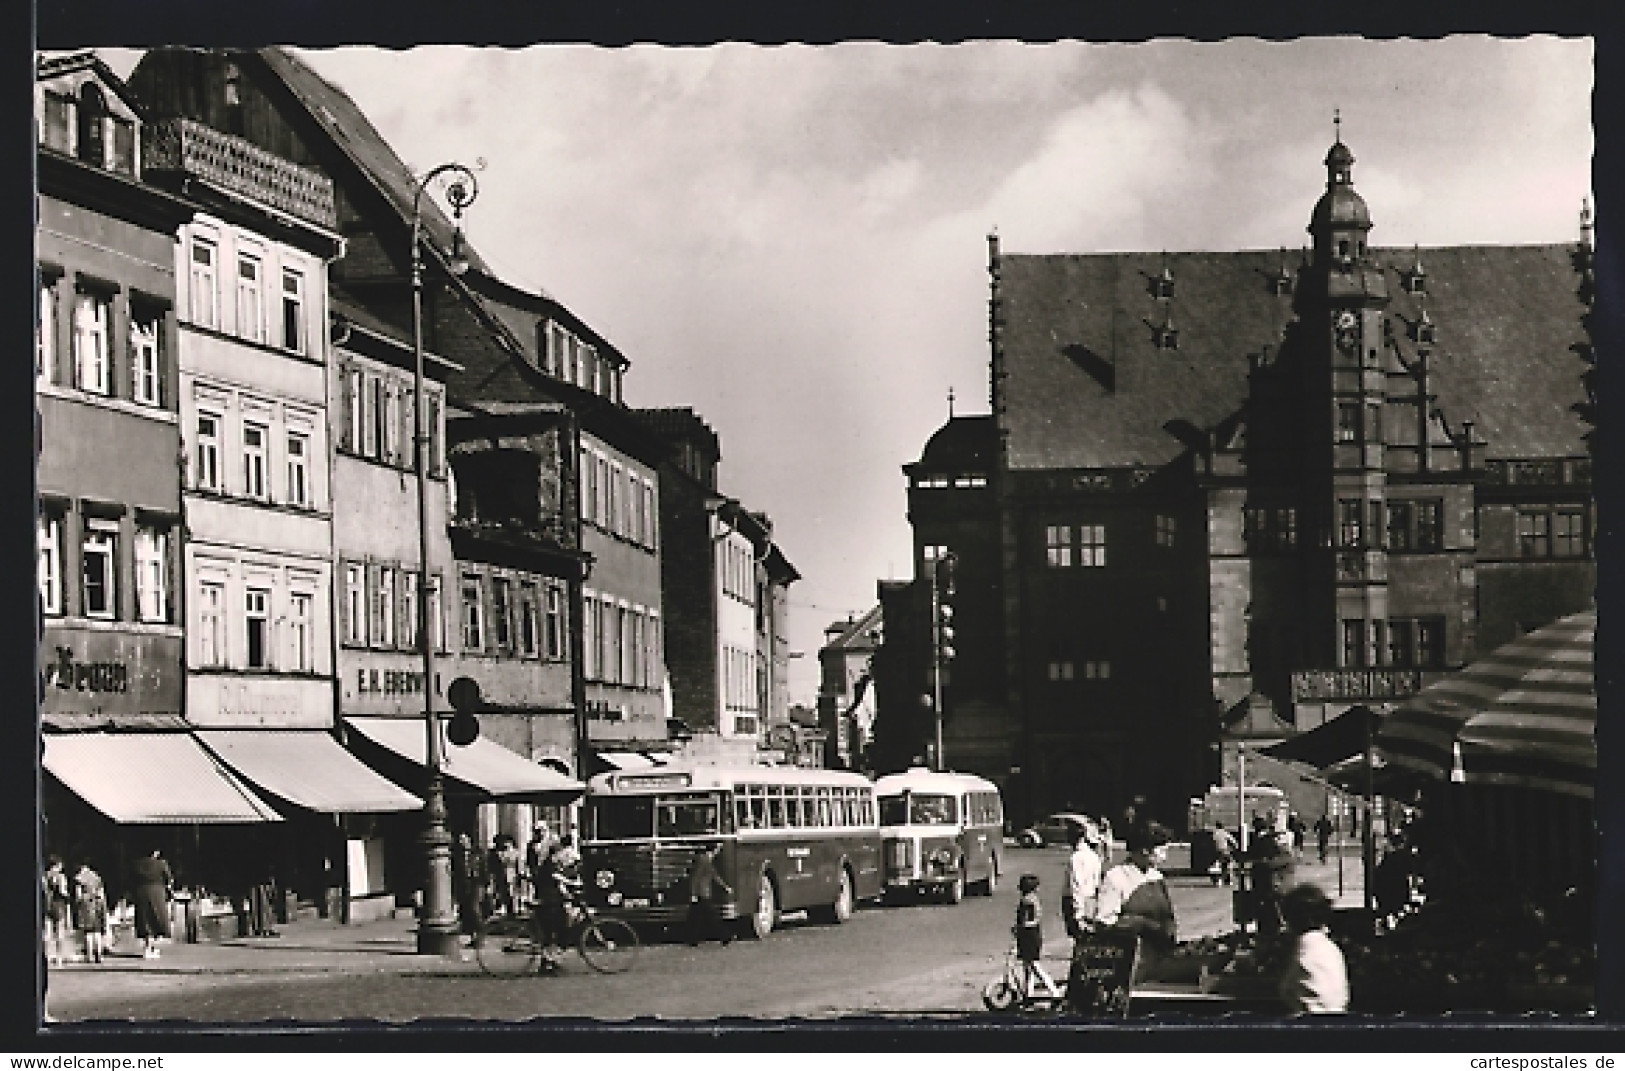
(1343, 249)
(1422, 330)
(1415, 280)
(1167, 336)
(1282, 283)
(58, 125)
(1163, 285)
(92, 115)
(231, 84)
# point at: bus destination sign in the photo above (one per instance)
(625, 782)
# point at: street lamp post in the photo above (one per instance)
(437, 922)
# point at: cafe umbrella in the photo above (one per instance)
(1523, 716)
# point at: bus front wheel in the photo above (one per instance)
(954, 891)
(766, 915)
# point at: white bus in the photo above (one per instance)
(942, 833)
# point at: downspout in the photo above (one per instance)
(578, 680)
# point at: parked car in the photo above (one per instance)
(1058, 828)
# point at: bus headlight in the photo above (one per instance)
(613, 899)
(604, 879)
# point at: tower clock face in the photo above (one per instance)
(1347, 324)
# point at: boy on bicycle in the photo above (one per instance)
(1029, 935)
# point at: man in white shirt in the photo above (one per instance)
(1079, 903)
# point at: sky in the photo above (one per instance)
(793, 240)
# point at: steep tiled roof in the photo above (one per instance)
(351, 130)
(680, 424)
(1086, 385)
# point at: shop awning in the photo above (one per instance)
(484, 767)
(308, 768)
(152, 778)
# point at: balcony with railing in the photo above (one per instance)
(1311, 685)
(188, 148)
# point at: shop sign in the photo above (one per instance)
(103, 674)
(374, 681)
(67, 674)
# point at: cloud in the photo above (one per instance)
(1104, 167)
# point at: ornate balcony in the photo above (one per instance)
(185, 147)
(1382, 684)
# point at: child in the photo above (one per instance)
(1029, 936)
(90, 910)
(1316, 980)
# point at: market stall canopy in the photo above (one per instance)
(484, 767)
(152, 779)
(1525, 715)
(308, 768)
(1344, 737)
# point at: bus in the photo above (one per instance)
(792, 838)
(941, 832)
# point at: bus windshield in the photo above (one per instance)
(687, 816)
(918, 809)
(621, 818)
(642, 817)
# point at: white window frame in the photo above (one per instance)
(355, 604)
(50, 563)
(1091, 545)
(293, 308)
(437, 617)
(104, 535)
(553, 643)
(204, 279)
(146, 360)
(152, 575)
(411, 637)
(45, 338)
(256, 467)
(251, 295)
(384, 608)
(473, 615)
(207, 476)
(299, 468)
(589, 645)
(92, 326)
(530, 621)
(301, 631)
(211, 639)
(257, 608)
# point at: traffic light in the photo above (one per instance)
(944, 623)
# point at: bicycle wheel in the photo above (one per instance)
(609, 946)
(508, 946)
(999, 995)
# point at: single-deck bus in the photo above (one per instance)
(942, 832)
(791, 838)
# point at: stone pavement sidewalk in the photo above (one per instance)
(316, 947)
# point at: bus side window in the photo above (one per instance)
(775, 808)
(849, 807)
(742, 811)
(824, 816)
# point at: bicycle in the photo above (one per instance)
(1009, 990)
(514, 944)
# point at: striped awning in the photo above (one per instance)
(307, 768)
(484, 767)
(1526, 715)
(152, 779)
